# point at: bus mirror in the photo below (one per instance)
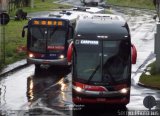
(70, 40)
(69, 52)
(23, 33)
(134, 54)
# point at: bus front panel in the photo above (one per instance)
(47, 43)
(102, 70)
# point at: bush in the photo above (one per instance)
(153, 70)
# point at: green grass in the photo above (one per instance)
(42, 6)
(13, 40)
(152, 80)
(133, 3)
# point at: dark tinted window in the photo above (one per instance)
(43, 39)
(116, 60)
(37, 37)
(56, 37)
(110, 57)
(87, 60)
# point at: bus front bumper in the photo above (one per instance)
(121, 101)
(112, 97)
(48, 62)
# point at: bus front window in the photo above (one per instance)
(116, 60)
(44, 40)
(108, 62)
(37, 39)
(87, 61)
(56, 40)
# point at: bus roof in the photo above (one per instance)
(75, 13)
(72, 16)
(102, 24)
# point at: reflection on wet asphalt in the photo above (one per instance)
(47, 89)
(26, 89)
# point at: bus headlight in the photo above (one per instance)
(31, 55)
(78, 89)
(124, 90)
(61, 56)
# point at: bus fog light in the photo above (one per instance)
(31, 55)
(61, 56)
(124, 90)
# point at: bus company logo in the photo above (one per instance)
(89, 42)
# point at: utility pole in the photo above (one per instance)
(32, 3)
(4, 19)
(157, 47)
(157, 35)
(4, 5)
(4, 42)
(1, 52)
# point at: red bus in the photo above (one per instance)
(48, 40)
(102, 58)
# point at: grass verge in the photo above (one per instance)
(151, 77)
(133, 3)
(13, 41)
(41, 6)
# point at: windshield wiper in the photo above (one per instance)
(94, 72)
(108, 74)
(111, 78)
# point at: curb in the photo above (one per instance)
(147, 86)
(148, 61)
(18, 65)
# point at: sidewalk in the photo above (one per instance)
(13, 67)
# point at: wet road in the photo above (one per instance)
(26, 92)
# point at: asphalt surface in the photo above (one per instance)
(48, 92)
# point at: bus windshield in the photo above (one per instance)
(104, 62)
(87, 59)
(116, 60)
(42, 39)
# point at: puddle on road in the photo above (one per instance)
(50, 92)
